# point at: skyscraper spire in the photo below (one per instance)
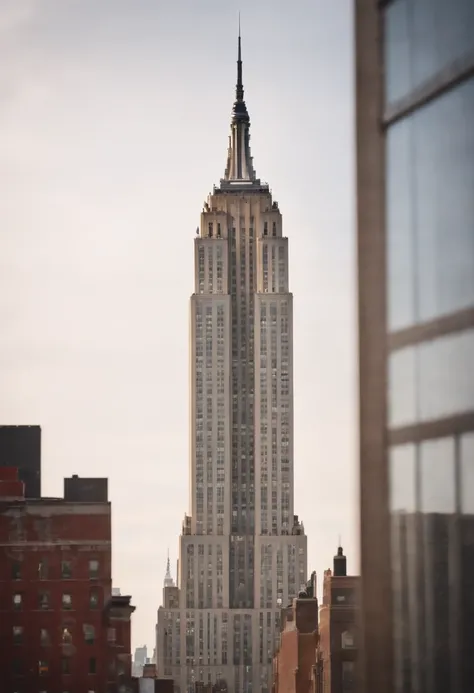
(168, 582)
(239, 91)
(239, 169)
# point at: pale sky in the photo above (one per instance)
(114, 120)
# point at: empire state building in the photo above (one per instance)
(242, 550)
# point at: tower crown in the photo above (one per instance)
(239, 171)
(168, 581)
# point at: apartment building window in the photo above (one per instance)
(66, 665)
(89, 634)
(17, 635)
(94, 599)
(16, 570)
(348, 675)
(43, 600)
(92, 665)
(44, 637)
(347, 640)
(67, 601)
(17, 600)
(93, 568)
(43, 569)
(66, 569)
(67, 636)
(43, 667)
(17, 666)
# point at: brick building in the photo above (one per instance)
(294, 663)
(60, 627)
(338, 638)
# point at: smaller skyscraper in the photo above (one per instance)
(20, 447)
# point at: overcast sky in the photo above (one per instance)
(114, 119)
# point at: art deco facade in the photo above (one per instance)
(415, 151)
(242, 550)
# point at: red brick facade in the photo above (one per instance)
(294, 663)
(338, 631)
(60, 628)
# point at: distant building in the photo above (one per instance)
(60, 627)
(294, 664)
(139, 661)
(338, 634)
(20, 447)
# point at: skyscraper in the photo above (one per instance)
(242, 550)
(415, 169)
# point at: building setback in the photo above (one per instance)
(415, 217)
(20, 447)
(242, 550)
(60, 627)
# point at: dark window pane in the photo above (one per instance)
(16, 570)
(66, 569)
(92, 665)
(89, 634)
(43, 569)
(43, 600)
(94, 568)
(17, 635)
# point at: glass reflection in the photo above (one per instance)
(423, 37)
(402, 470)
(430, 210)
(437, 476)
(444, 204)
(466, 454)
(446, 376)
(432, 380)
(397, 51)
(401, 237)
(402, 388)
